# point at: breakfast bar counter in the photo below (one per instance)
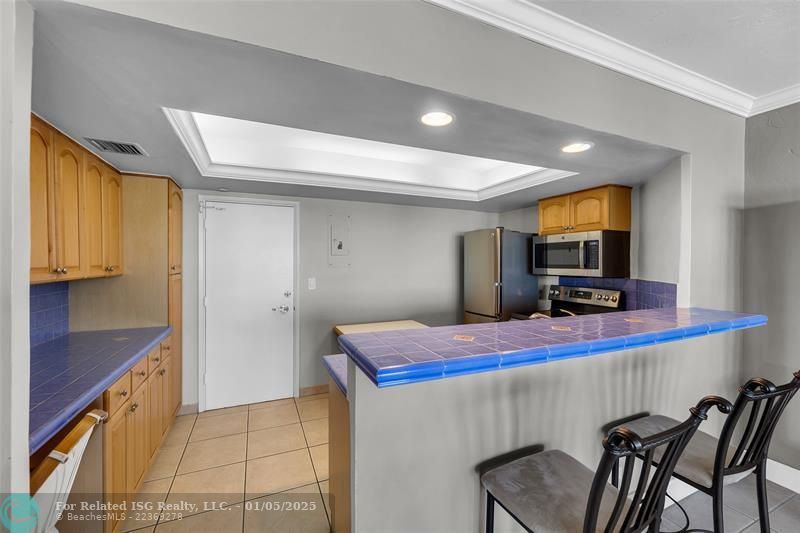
(408, 356)
(425, 408)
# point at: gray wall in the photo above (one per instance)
(406, 263)
(657, 203)
(771, 258)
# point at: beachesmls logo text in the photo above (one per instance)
(19, 513)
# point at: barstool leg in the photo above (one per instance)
(489, 512)
(761, 490)
(719, 522)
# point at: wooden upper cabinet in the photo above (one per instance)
(588, 210)
(601, 208)
(553, 215)
(76, 210)
(112, 221)
(43, 238)
(93, 223)
(68, 207)
(175, 223)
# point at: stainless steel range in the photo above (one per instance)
(573, 301)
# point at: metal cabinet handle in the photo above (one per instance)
(166, 348)
(156, 359)
(134, 407)
(143, 373)
(123, 393)
(173, 267)
(163, 371)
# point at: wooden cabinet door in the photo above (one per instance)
(68, 207)
(166, 394)
(175, 313)
(138, 444)
(43, 238)
(588, 210)
(154, 417)
(175, 230)
(112, 221)
(93, 223)
(553, 215)
(115, 461)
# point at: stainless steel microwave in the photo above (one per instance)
(602, 254)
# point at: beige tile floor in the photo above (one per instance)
(254, 458)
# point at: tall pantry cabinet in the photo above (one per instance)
(175, 286)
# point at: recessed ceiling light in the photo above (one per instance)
(436, 118)
(578, 147)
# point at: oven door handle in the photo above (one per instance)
(570, 313)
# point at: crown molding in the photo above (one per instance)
(557, 31)
(776, 99)
(185, 127)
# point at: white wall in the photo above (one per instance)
(16, 47)
(406, 263)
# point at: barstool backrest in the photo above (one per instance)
(641, 511)
(765, 403)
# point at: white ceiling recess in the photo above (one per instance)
(224, 147)
(743, 57)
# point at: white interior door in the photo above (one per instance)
(249, 307)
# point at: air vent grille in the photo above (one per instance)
(116, 147)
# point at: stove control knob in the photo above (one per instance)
(613, 298)
(599, 296)
(606, 298)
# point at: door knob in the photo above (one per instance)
(281, 308)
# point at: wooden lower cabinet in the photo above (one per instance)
(166, 394)
(138, 449)
(115, 463)
(135, 429)
(154, 388)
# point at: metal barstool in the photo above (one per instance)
(548, 491)
(708, 464)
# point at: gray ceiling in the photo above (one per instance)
(103, 75)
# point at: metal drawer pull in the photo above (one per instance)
(123, 392)
(143, 373)
(134, 407)
(163, 371)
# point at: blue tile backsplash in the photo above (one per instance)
(639, 293)
(49, 312)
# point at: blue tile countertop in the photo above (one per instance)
(408, 356)
(337, 368)
(69, 372)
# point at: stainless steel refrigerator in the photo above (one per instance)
(497, 275)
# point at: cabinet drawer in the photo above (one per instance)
(118, 393)
(139, 374)
(166, 347)
(153, 359)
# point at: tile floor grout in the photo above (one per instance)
(185, 438)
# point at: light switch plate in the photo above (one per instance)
(312, 284)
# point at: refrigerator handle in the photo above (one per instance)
(498, 268)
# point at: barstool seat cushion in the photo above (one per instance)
(547, 492)
(697, 461)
